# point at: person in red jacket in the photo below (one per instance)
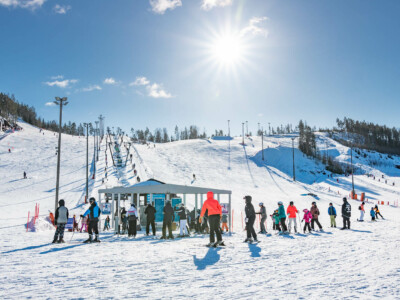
(214, 215)
(291, 212)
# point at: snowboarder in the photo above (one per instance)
(250, 219)
(332, 214)
(282, 217)
(60, 220)
(107, 224)
(224, 223)
(93, 213)
(291, 211)
(372, 212)
(346, 214)
(315, 213)
(25, 175)
(150, 211)
(169, 217)
(132, 217)
(263, 213)
(362, 212)
(307, 220)
(214, 210)
(181, 210)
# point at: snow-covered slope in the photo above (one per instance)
(363, 262)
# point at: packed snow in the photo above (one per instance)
(363, 262)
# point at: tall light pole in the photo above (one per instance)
(229, 129)
(294, 171)
(87, 160)
(229, 146)
(247, 128)
(97, 141)
(262, 142)
(269, 125)
(243, 134)
(258, 131)
(61, 102)
(352, 171)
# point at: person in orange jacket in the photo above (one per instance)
(214, 216)
(291, 212)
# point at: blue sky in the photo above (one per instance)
(161, 63)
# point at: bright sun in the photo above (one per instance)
(228, 49)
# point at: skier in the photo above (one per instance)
(214, 210)
(250, 219)
(93, 213)
(85, 222)
(263, 213)
(315, 213)
(138, 179)
(132, 217)
(332, 214)
(372, 212)
(362, 212)
(307, 219)
(194, 176)
(275, 220)
(150, 211)
(25, 175)
(75, 224)
(282, 217)
(377, 212)
(124, 219)
(346, 214)
(224, 223)
(291, 211)
(60, 220)
(107, 224)
(169, 217)
(181, 210)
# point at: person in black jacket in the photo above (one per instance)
(181, 210)
(167, 221)
(150, 212)
(61, 218)
(346, 214)
(250, 219)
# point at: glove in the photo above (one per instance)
(302, 221)
(246, 220)
(200, 220)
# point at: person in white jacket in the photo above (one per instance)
(132, 218)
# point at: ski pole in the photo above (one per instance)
(73, 231)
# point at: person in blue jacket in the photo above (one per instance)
(282, 217)
(332, 214)
(94, 215)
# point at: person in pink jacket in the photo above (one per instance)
(307, 218)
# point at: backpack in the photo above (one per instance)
(359, 208)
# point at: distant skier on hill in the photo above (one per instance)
(61, 218)
(346, 214)
(214, 210)
(94, 214)
(250, 219)
(25, 175)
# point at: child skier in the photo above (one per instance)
(307, 219)
(332, 214)
(275, 219)
(60, 220)
(107, 224)
(372, 214)
(377, 212)
(224, 223)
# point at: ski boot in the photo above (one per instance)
(61, 241)
(220, 243)
(89, 240)
(96, 239)
(210, 244)
(163, 237)
(54, 240)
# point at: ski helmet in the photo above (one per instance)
(261, 204)
(280, 203)
(61, 202)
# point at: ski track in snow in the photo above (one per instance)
(360, 263)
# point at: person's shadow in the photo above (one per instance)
(211, 258)
(255, 250)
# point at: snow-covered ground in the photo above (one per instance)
(360, 263)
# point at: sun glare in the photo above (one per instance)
(228, 49)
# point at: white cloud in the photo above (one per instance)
(141, 80)
(61, 83)
(110, 81)
(57, 76)
(260, 115)
(61, 9)
(29, 4)
(50, 104)
(210, 4)
(156, 90)
(91, 88)
(160, 6)
(255, 27)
